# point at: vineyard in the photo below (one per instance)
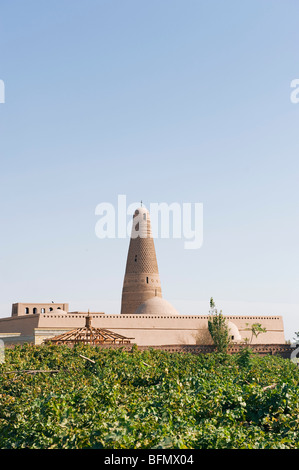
(86, 397)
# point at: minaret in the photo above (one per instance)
(142, 280)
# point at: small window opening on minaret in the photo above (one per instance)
(135, 258)
(147, 280)
(144, 216)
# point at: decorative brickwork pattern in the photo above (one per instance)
(142, 256)
(282, 350)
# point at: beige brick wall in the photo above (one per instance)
(155, 330)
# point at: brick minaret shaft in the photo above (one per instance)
(142, 280)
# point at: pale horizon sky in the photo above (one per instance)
(173, 101)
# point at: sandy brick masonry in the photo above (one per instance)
(29, 308)
(141, 280)
(145, 329)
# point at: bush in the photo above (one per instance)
(146, 399)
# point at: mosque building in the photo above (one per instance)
(145, 317)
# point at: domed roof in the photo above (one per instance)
(233, 331)
(58, 310)
(156, 306)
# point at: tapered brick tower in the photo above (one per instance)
(142, 280)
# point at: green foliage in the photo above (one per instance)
(244, 357)
(218, 329)
(219, 332)
(146, 399)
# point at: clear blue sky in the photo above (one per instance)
(164, 101)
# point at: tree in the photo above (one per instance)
(212, 306)
(256, 329)
(218, 329)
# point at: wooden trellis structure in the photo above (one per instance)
(89, 335)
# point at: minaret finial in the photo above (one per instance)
(141, 203)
